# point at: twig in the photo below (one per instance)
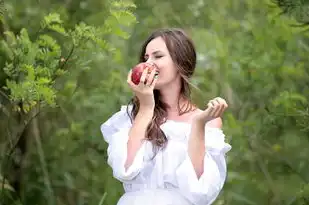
(5, 111)
(19, 135)
(43, 165)
(4, 95)
(65, 61)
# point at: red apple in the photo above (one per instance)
(137, 72)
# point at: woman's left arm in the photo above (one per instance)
(202, 174)
(196, 145)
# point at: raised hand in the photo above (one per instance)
(215, 108)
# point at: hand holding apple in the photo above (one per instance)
(142, 79)
(138, 70)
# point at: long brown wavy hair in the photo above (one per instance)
(183, 54)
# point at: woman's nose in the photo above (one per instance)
(150, 61)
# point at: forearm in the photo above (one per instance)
(196, 147)
(137, 134)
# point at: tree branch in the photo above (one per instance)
(21, 129)
(4, 95)
(5, 111)
(65, 61)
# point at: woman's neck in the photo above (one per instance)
(171, 96)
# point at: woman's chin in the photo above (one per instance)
(158, 85)
(162, 85)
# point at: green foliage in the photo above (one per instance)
(44, 72)
(70, 64)
(34, 66)
(299, 9)
(255, 59)
(2, 10)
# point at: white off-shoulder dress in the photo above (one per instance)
(169, 178)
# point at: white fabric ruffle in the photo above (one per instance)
(171, 167)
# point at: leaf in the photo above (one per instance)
(53, 22)
(10, 37)
(287, 99)
(52, 18)
(122, 4)
(58, 29)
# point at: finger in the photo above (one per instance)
(219, 110)
(129, 80)
(223, 106)
(129, 77)
(132, 85)
(208, 113)
(223, 109)
(214, 103)
(210, 109)
(143, 77)
(151, 64)
(222, 101)
(153, 84)
(151, 77)
(209, 104)
(218, 106)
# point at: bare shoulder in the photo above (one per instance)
(215, 123)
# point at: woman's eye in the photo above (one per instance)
(158, 56)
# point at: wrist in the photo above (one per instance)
(146, 110)
(199, 122)
(198, 130)
(147, 104)
(145, 113)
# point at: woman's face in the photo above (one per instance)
(157, 53)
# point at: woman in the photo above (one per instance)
(163, 148)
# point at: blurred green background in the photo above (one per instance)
(64, 65)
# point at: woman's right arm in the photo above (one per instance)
(126, 147)
(137, 134)
(126, 144)
(144, 93)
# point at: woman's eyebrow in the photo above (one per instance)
(155, 52)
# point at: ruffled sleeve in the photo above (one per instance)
(205, 189)
(116, 133)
